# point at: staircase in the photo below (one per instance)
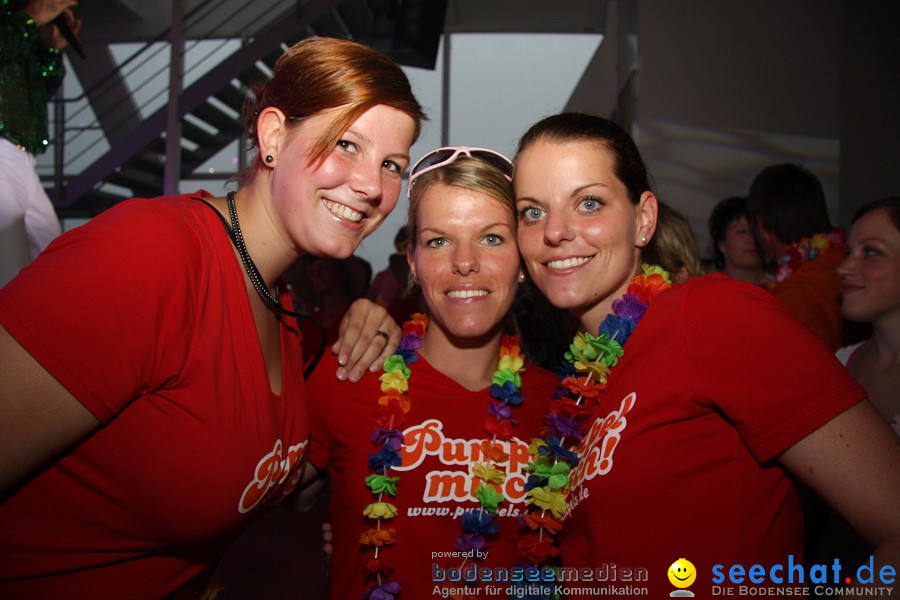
(210, 107)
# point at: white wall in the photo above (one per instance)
(727, 88)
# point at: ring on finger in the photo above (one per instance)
(383, 334)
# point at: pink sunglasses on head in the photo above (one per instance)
(444, 156)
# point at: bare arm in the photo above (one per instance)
(359, 346)
(38, 417)
(853, 462)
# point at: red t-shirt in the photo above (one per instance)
(143, 315)
(442, 433)
(813, 295)
(716, 381)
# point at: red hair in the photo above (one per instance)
(318, 74)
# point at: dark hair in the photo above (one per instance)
(401, 240)
(725, 213)
(545, 331)
(628, 166)
(318, 74)
(890, 204)
(788, 200)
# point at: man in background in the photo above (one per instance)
(789, 216)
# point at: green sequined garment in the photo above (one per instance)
(30, 72)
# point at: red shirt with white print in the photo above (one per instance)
(143, 315)
(442, 436)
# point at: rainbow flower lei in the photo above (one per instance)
(806, 250)
(390, 414)
(591, 359)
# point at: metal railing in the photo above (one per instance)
(79, 136)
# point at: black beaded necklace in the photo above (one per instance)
(234, 232)
(252, 272)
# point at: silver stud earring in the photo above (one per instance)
(269, 158)
(521, 277)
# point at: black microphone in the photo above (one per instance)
(63, 26)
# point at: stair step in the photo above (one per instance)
(217, 118)
(252, 75)
(90, 205)
(149, 162)
(141, 183)
(159, 147)
(232, 97)
(200, 136)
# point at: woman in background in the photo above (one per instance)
(674, 245)
(871, 294)
(144, 427)
(736, 253)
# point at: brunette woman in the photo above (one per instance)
(736, 253)
(871, 294)
(717, 394)
(147, 424)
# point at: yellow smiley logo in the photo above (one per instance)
(682, 573)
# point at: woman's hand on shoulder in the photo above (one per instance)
(367, 336)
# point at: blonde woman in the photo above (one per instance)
(428, 460)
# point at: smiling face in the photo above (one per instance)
(465, 260)
(739, 246)
(327, 208)
(579, 233)
(682, 573)
(871, 272)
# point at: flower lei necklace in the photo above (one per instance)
(590, 360)
(390, 413)
(807, 249)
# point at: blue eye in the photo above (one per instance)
(493, 239)
(591, 204)
(531, 214)
(436, 242)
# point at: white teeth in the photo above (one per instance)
(568, 263)
(343, 211)
(467, 293)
